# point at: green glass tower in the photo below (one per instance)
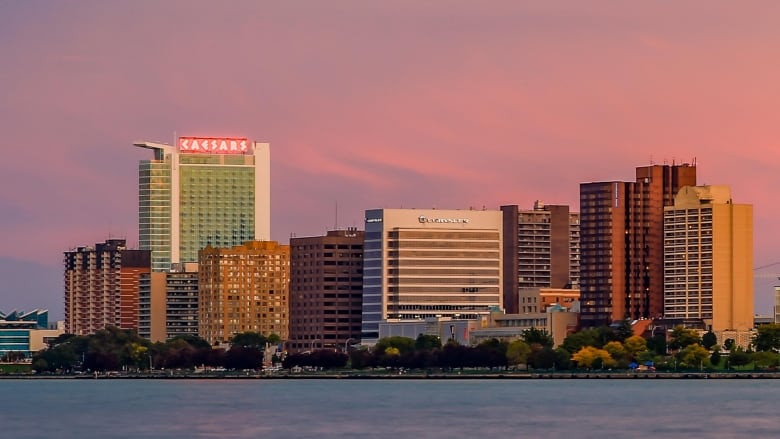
(204, 191)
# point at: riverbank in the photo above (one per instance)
(412, 376)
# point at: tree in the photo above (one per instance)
(715, 358)
(249, 339)
(738, 357)
(427, 342)
(635, 345)
(590, 356)
(581, 339)
(657, 344)
(617, 352)
(623, 330)
(766, 359)
(403, 344)
(682, 337)
(709, 339)
(694, 355)
(729, 344)
(768, 337)
(517, 353)
(538, 336)
(544, 358)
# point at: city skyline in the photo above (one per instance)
(444, 104)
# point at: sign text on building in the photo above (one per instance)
(425, 219)
(214, 145)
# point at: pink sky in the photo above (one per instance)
(375, 104)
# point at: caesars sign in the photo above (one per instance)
(214, 145)
(425, 219)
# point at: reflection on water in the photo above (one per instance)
(388, 409)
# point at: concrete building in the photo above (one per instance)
(708, 259)
(101, 286)
(621, 243)
(541, 250)
(421, 263)
(326, 290)
(556, 320)
(244, 288)
(535, 300)
(204, 191)
(445, 328)
(168, 303)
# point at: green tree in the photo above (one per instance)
(617, 352)
(709, 339)
(682, 337)
(738, 357)
(765, 359)
(657, 344)
(427, 342)
(537, 336)
(403, 344)
(729, 344)
(623, 331)
(517, 353)
(249, 339)
(581, 339)
(715, 358)
(694, 355)
(767, 337)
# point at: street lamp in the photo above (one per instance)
(346, 345)
(311, 345)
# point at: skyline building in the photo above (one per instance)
(541, 250)
(101, 286)
(621, 243)
(708, 259)
(203, 191)
(326, 290)
(168, 303)
(244, 288)
(426, 263)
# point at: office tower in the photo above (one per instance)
(708, 259)
(244, 288)
(204, 191)
(168, 303)
(621, 243)
(326, 290)
(541, 250)
(420, 263)
(24, 333)
(101, 286)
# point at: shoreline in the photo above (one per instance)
(437, 376)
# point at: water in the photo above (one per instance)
(399, 409)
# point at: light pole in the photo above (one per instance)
(346, 345)
(311, 345)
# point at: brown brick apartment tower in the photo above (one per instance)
(621, 243)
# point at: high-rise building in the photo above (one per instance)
(204, 191)
(101, 286)
(421, 263)
(541, 250)
(244, 288)
(168, 303)
(326, 290)
(621, 243)
(708, 259)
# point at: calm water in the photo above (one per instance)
(476, 409)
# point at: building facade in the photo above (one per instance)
(25, 333)
(244, 288)
(168, 303)
(621, 243)
(101, 286)
(708, 259)
(541, 250)
(421, 263)
(203, 191)
(326, 290)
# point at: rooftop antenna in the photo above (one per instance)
(336, 222)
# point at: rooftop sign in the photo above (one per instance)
(214, 145)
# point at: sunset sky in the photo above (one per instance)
(447, 104)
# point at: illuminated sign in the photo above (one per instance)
(214, 145)
(373, 220)
(425, 219)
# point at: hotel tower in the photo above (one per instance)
(203, 191)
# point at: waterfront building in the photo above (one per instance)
(326, 290)
(244, 288)
(421, 263)
(25, 333)
(621, 243)
(168, 303)
(203, 191)
(541, 250)
(101, 286)
(708, 259)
